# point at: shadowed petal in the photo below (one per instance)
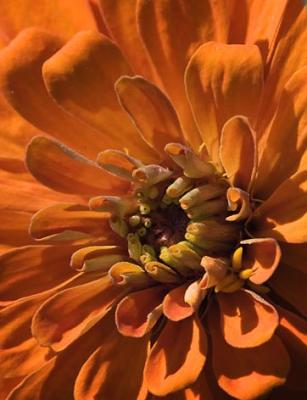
(247, 320)
(64, 170)
(177, 357)
(150, 110)
(72, 312)
(262, 256)
(76, 76)
(238, 152)
(137, 313)
(217, 78)
(247, 374)
(98, 376)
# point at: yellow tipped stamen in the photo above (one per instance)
(236, 259)
(142, 231)
(179, 187)
(207, 244)
(182, 253)
(134, 246)
(119, 226)
(161, 272)
(146, 258)
(208, 209)
(134, 220)
(144, 208)
(146, 248)
(200, 194)
(246, 273)
(147, 222)
(213, 230)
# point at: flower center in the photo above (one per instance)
(181, 220)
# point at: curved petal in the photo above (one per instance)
(98, 375)
(238, 152)
(293, 332)
(56, 378)
(76, 76)
(174, 306)
(247, 374)
(31, 269)
(150, 110)
(69, 314)
(283, 148)
(120, 18)
(170, 49)
(247, 320)
(283, 215)
(217, 78)
(70, 217)
(22, 84)
(290, 285)
(137, 313)
(64, 170)
(262, 256)
(63, 17)
(177, 358)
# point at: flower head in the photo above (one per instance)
(168, 210)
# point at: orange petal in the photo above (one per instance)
(288, 57)
(262, 256)
(88, 65)
(283, 147)
(150, 110)
(32, 269)
(170, 49)
(120, 18)
(22, 84)
(177, 357)
(63, 17)
(247, 320)
(70, 217)
(62, 169)
(98, 375)
(138, 312)
(247, 374)
(56, 378)
(256, 22)
(290, 284)
(238, 152)
(293, 332)
(217, 78)
(174, 306)
(72, 312)
(283, 215)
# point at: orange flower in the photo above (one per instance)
(167, 217)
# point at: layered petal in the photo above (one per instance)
(290, 285)
(150, 110)
(217, 78)
(76, 76)
(283, 215)
(174, 306)
(247, 320)
(283, 147)
(262, 256)
(247, 373)
(64, 170)
(72, 312)
(22, 83)
(138, 312)
(293, 332)
(31, 269)
(177, 358)
(170, 49)
(97, 377)
(63, 17)
(238, 152)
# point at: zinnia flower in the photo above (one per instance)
(167, 256)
